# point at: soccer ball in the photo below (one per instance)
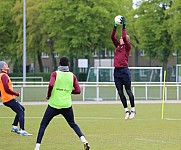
(118, 19)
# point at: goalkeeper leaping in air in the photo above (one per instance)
(122, 75)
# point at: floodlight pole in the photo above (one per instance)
(24, 42)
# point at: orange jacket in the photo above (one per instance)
(5, 96)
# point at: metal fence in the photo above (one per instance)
(102, 91)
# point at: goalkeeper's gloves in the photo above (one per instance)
(123, 22)
(115, 26)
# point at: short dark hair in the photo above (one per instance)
(2, 63)
(64, 61)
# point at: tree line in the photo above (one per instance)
(82, 26)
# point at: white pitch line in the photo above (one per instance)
(150, 140)
(25, 117)
(172, 119)
(99, 118)
(92, 118)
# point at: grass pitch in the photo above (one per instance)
(103, 125)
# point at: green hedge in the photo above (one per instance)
(46, 76)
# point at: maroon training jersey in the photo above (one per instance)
(122, 52)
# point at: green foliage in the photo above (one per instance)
(46, 76)
(153, 28)
(8, 29)
(174, 26)
(72, 26)
(81, 25)
(78, 28)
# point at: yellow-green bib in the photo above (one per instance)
(61, 96)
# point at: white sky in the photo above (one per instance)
(134, 2)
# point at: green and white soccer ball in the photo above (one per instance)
(118, 19)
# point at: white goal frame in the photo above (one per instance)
(178, 78)
(112, 68)
(141, 68)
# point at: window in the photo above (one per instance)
(174, 54)
(174, 71)
(142, 53)
(111, 53)
(95, 54)
(56, 55)
(105, 52)
(45, 69)
(44, 55)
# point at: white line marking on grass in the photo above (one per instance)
(92, 118)
(85, 118)
(150, 140)
(172, 119)
(99, 118)
(25, 117)
(109, 118)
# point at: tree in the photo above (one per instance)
(75, 28)
(83, 26)
(153, 30)
(35, 44)
(8, 34)
(174, 27)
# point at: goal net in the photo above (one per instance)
(138, 74)
(143, 79)
(178, 73)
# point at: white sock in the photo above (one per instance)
(15, 126)
(132, 108)
(37, 145)
(126, 109)
(82, 138)
(21, 130)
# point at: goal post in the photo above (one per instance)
(178, 73)
(138, 74)
(102, 76)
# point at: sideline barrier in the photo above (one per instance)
(101, 91)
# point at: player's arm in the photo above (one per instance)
(124, 35)
(113, 35)
(124, 29)
(5, 81)
(51, 84)
(76, 89)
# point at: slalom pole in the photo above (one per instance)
(163, 93)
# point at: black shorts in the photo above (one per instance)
(122, 75)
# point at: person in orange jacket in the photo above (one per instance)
(8, 99)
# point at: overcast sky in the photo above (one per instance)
(135, 1)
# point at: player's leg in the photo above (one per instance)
(19, 118)
(129, 92)
(48, 115)
(19, 109)
(119, 87)
(69, 116)
(131, 98)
